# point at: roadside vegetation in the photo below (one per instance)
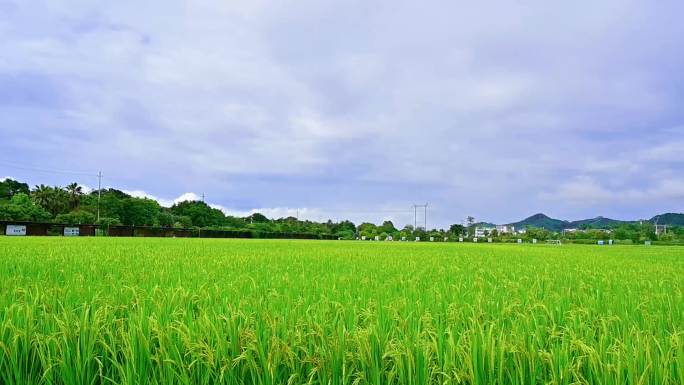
(71, 205)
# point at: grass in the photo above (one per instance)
(202, 311)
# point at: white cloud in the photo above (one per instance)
(586, 191)
(671, 151)
(189, 196)
(270, 212)
(464, 105)
(86, 189)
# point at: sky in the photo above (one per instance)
(352, 109)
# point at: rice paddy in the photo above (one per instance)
(214, 311)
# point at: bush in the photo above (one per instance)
(76, 218)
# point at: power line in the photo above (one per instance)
(49, 171)
(99, 176)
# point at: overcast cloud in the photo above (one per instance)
(353, 109)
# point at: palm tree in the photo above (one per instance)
(53, 199)
(75, 191)
(41, 195)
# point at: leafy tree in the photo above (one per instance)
(345, 226)
(105, 222)
(140, 212)
(11, 187)
(76, 217)
(368, 230)
(235, 222)
(53, 199)
(537, 233)
(388, 227)
(165, 219)
(200, 213)
(456, 229)
(22, 208)
(257, 218)
(182, 221)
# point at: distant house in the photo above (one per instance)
(505, 229)
(481, 232)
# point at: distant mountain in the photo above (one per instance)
(597, 223)
(669, 219)
(542, 221)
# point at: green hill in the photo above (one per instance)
(670, 219)
(596, 223)
(542, 221)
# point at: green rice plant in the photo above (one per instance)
(218, 311)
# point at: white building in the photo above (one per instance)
(505, 229)
(481, 232)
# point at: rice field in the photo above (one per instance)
(215, 311)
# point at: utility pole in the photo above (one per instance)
(425, 216)
(415, 215)
(202, 197)
(297, 214)
(99, 191)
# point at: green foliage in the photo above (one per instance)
(456, 230)
(165, 219)
(22, 208)
(53, 199)
(76, 217)
(199, 213)
(182, 221)
(11, 187)
(184, 311)
(105, 222)
(71, 205)
(140, 212)
(257, 218)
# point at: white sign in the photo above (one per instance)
(647, 243)
(363, 238)
(460, 239)
(534, 240)
(475, 240)
(432, 239)
(489, 240)
(417, 239)
(610, 242)
(15, 230)
(389, 238)
(377, 237)
(519, 240)
(403, 239)
(71, 231)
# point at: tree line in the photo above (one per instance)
(72, 205)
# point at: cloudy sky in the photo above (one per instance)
(353, 109)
